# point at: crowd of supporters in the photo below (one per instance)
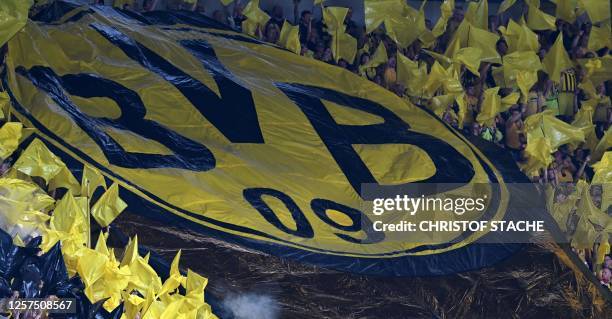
(563, 97)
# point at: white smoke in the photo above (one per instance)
(251, 306)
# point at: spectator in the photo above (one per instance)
(501, 46)
(277, 17)
(514, 131)
(272, 33)
(219, 16)
(604, 277)
(390, 76)
(305, 26)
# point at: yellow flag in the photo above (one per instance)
(606, 196)
(255, 14)
(132, 304)
(510, 99)
(598, 69)
(439, 103)
(71, 228)
(538, 152)
(556, 131)
(37, 160)
(478, 14)
(405, 30)
(5, 102)
(109, 286)
(131, 251)
(13, 17)
(154, 310)
(82, 202)
(598, 10)
(482, 14)
(379, 57)
(505, 5)
(444, 60)
(250, 27)
(589, 88)
(604, 144)
(143, 277)
(462, 109)
(175, 279)
(172, 309)
(435, 79)
(440, 77)
(451, 83)
(24, 221)
(603, 170)
(446, 11)
(562, 210)
(101, 245)
(538, 20)
(556, 60)
(586, 208)
(566, 9)
(376, 11)
(518, 61)
(50, 237)
(20, 195)
(427, 38)
(65, 179)
(519, 37)
(344, 46)
(114, 281)
(290, 38)
(603, 249)
(485, 41)
(91, 266)
(68, 217)
(528, 40)
(470, 57)
(91, 180)
(95, 292)
(584, 120)
(195, 284)
(492, 105)
(584, 235)
(525, 80)
(411, 74)
(10, 134)
(457, 42)
(459, 38)
(108, 207)
(600, 38)
(17, 241)
(334, 18)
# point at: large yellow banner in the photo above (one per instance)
(245, 140)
